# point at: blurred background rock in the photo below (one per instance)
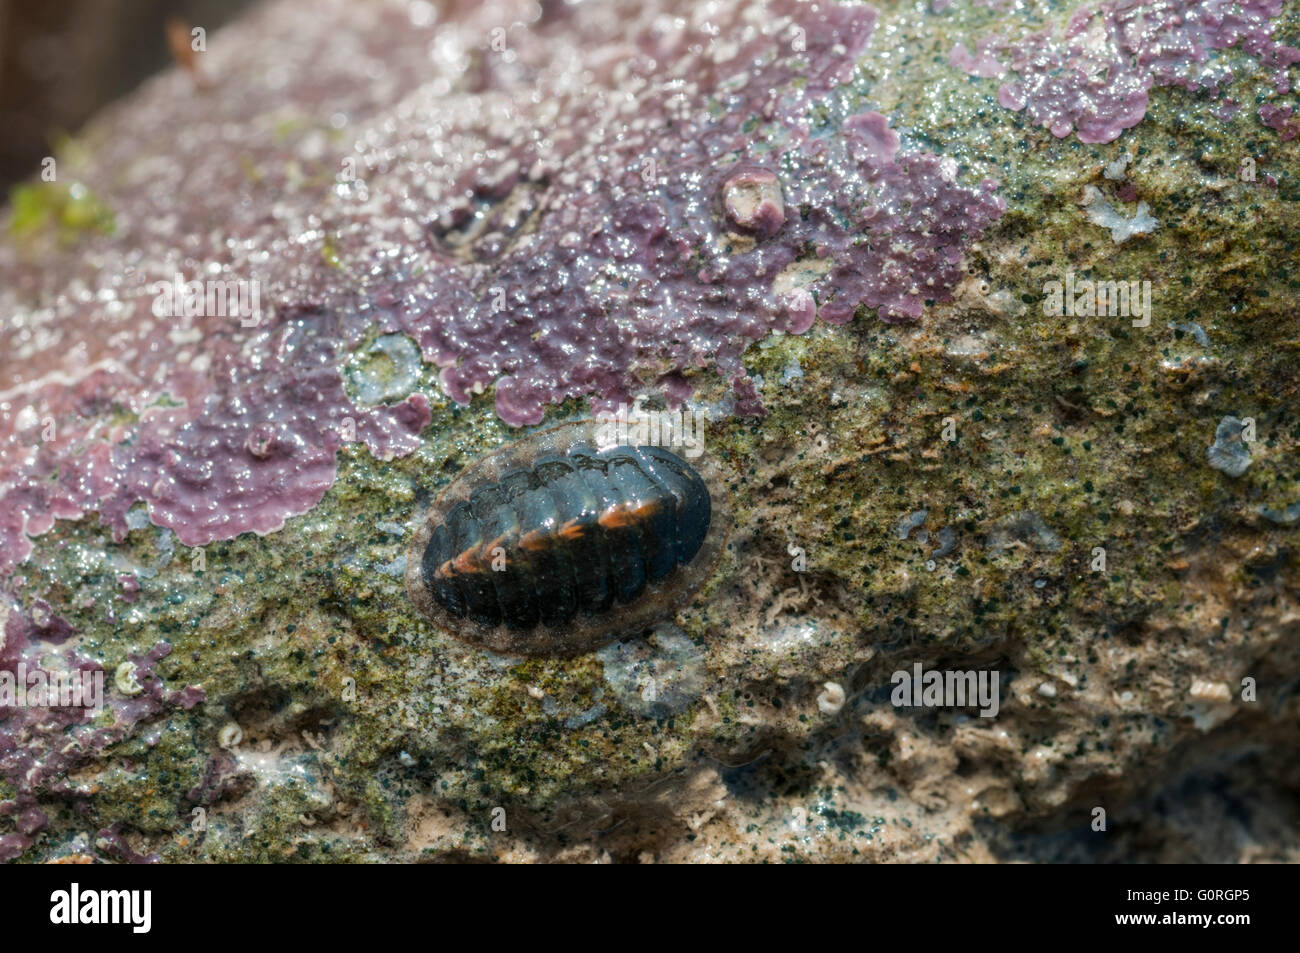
(61, 61)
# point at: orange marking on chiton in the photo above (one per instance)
(468, 561)
(535, 540)
(616, 517)
(572, 530)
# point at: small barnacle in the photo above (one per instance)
(561, 542)
(753, 201)
(125, 679)
(831, 699)
(386, 373)
(1229, 453)
(261, 441)
(230, 735)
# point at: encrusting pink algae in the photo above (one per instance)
(1093, 76)
(553, 263)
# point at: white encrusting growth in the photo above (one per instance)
(1100, 212)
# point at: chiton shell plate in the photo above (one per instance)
(567, 539)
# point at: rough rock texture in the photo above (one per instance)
(834, 227)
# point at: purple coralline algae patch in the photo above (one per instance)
(1279, 118)
(650, 238)
(237, 447)
(58, 713)
(279, 466)
(908, 224)
(1093, 78)
(981, 63)
(557, 211)
(219, 423)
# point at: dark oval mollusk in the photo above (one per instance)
(565, 540)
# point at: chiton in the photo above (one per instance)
(567, 539)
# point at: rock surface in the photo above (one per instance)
(883, 246)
